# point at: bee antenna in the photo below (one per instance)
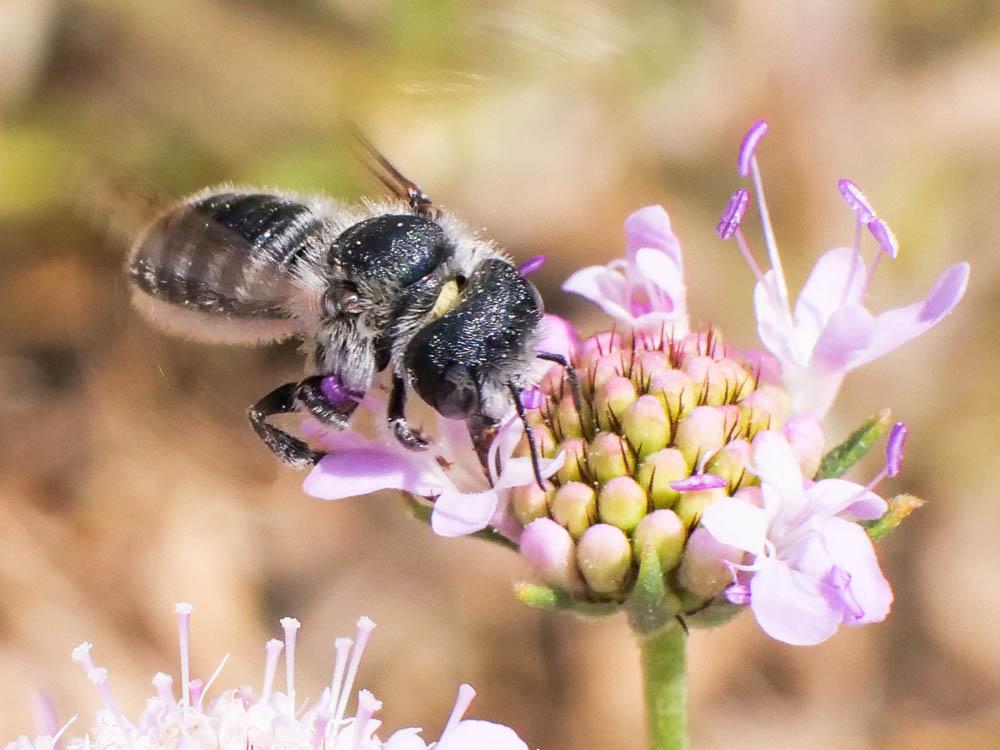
(530, 434)
(390, 177)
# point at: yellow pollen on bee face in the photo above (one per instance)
(447, 298)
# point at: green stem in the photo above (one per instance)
(665, 687)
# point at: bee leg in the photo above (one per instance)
(574, 381)
(409, 437)
(288, 448)
(530, 433)
(315, 399)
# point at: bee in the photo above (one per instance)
(396, 284)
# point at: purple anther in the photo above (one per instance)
(894, 448)
(531, 265)
(856, 200)
(336, 393)
(840, 581)
(884, 236)
(699, 482)
(531, 398)
(749, 146)
(733, 214)
(738, 594)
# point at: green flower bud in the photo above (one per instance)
(609, 457)
(568, 419)
(676, 391)
(622, 503)
(529, 502)
(574, 465)
(544, 440)
(575, 507)
(648, 364)
(709, 379)
(663, 530)
(646, 426)
(739, 382)
(611, 400)
(704, 570)
(605, 368)
(656, 473)
(702, 432)
(693, 504)
(731, 464)
(604, 556)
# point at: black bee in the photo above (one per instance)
(396, 284)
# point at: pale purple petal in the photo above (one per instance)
(604, 287)
(359, 472)
(775, 463)
(660, 270)
(736, 523)
(405, 739)
(772, 321)
(830, 497)
(791, 606)
(837, 277)
(896, 327)
(558, 337)
(518, 471)
(851, 549)
(844, 339)
(650, 227)
(462, 513)
(481, 735)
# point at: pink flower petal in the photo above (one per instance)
(737, 523)
(481, 735)
(558, 337)
(851, 549)
(661, 271)
(459, 514)
(650, 227)
(772, 321)
(405, 739)
(365, 470)
(845, 338)
(791, 606)
(775, 463)
(896, 327)
(603, 287)
(833, 496)
(518, 471)
(824, 292)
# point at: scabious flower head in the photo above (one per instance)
(681, 475)
(264, 718)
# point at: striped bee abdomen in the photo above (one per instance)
(227, 256)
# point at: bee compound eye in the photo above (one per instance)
(456, 394)
(342, 298)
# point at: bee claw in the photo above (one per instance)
(408, 437)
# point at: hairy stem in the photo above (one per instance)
(664, 679)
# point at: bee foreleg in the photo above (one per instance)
(409, 437)
(530, 434)
(574, 381)
(313, 397)
(288, 448)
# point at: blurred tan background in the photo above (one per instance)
(129, 478)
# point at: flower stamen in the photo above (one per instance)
(184, 611)
(291, 626)
(273, 649)
(365, 626)
(466, 694)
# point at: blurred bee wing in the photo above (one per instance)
(232, 266)
(391, 178)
